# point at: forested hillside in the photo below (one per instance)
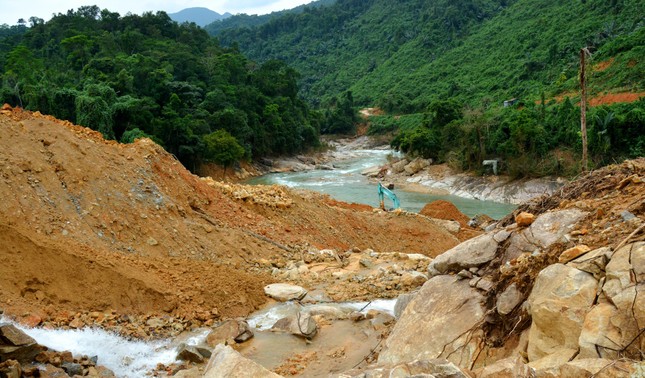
(131, 76)
(442, 69)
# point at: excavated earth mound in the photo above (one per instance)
(93, 225)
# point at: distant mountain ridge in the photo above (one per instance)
(254, 20)
(199, 15)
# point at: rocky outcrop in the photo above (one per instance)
(226, 362)
(440, 322)
(561, 298)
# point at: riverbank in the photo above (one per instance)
(419, 175)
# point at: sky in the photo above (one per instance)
(12, 10)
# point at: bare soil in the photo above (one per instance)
(89, 225)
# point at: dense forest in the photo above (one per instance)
(442, 69)
(268, 85)
(146, 75)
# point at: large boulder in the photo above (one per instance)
(416, 165)
(547, 229)
(605, 331)
(561, 298)
(399, 166)
(300, 324)
(230, 330)
(226, 362)
(284, 292)
(471, 253)
(440, 322)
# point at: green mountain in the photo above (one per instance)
(403, 54)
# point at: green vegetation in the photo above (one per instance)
(442, 70)
(136, 76)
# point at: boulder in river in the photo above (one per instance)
(238, 331)
(284, 292)
(226, 362)
(300, 324)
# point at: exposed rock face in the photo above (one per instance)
(226, 362)
(559, 302)
(437, 324)
(284, 292)
(471, 253)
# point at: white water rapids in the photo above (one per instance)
(126, 358)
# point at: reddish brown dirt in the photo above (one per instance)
(601, 66)
(92, 225)
(612, 98)
(441, 209)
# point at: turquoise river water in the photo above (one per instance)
(346, 183)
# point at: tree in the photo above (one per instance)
(222, 148)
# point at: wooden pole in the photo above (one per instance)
(583, 108)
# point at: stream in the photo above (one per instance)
(346, 183)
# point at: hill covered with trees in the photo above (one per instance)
(442, 70)
(131, 76)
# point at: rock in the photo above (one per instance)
(589, 367)
(471, 253)
(440, 322)
(239, 331)
(524, 219)
(482, 283)
(401, 303)
(558, 304)
(284, 292)
(72, 368)
(365, 262)
(416, 165)
(17, 345)
(449, 225)
(189, 353)
(606, 330)
(593, 262)
(435, 368)
(551, 227)
(552, 361)
(547, 229)
(480, 221)
(573, 253)
(413, 278)
(501, 236)
(328, 312)
(511, 367)
(356, 316)
(226, 362)
(625, 274)
(509, 299)
(51, 371)
(10, 335)
(189, 373)
(300, 324)
(10, 369)
(627, 216)
(399, 166)
(152, 241)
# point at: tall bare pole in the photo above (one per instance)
(583, 107)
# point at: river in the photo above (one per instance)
(346, 183)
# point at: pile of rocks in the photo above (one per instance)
(265, 195)
(570, 310)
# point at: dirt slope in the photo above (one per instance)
(92, 225)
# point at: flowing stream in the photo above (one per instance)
(346, 183)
